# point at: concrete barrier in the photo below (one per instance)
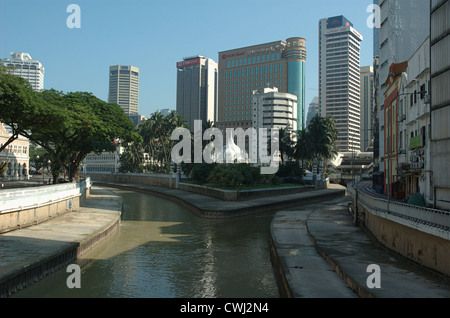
(418, 233)
(29, 206)
(169, 181)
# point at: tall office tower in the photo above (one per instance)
(241, 71)
(440, 101)
(405, 24)
(124, 88)
(313, 110)
(339, 79)
(21, 64)
(197, 89)
(366, 107)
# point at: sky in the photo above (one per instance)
(155, 34)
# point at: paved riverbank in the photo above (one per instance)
(313, 243)
(28, 254)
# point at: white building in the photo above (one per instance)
(272, 109)
(21, 64)
(414, 156)
(106, 162)
(339, 79)
(14, 160)
(197, 89)
(366, 107)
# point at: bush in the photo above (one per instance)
(200, 172)
(290, 172)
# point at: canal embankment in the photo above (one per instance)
(210, 207)
(30, 253)
(318, 251)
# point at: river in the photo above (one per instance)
(163, 250)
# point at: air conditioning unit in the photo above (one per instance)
(427, 99)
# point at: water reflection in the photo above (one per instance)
(164, 250)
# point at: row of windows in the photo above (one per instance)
(252, 80)
(17, 149)
(253, 60)
(238, 114)
(236, 119)
(254, 71)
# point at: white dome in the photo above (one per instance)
(231, 153)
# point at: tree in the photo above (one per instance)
(286, 145)
(156, 134)
(81, 124)
(323, 135)
(132, 160)
(20, 106)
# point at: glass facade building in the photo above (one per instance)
(245, 70)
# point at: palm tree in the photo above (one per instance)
(156, 133)
(286, 144)
(323, 135)
(302, 148)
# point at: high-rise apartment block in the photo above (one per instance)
(197, 89)
(124, 88)
(241, 71)
(21, 64)
(366, 107)
(339, 79)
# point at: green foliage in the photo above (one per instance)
(156, 133)
(290, 172)
(201, 172)
(68, 126)
(132, 160)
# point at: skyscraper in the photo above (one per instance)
(197, 89)
(366, 106)
(241, 71)
(339, 79)
(124, 88)
(21, 64)
(313, 110)
(440, 102)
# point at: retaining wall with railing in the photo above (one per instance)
(421, 234)
(23, 207)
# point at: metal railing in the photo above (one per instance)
(433, 221)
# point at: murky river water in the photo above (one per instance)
(163, 250)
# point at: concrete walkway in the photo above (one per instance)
(316, 242)
(29, 254)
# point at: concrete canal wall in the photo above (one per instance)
(31, 253)
(169, 181)
(23, 207)
(418, 233)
